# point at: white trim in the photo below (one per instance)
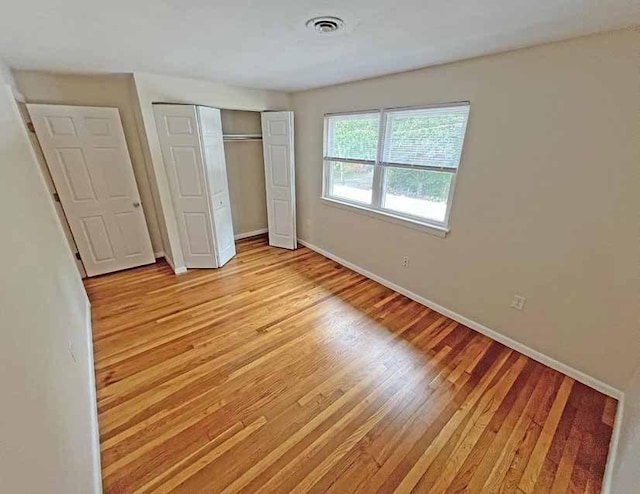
(429, 168)
(614, 445)
(494, 335)
(176, 270)
(95, 440)
(254, 233)
(350, 160)
(402, 108)
(170, 262)
(381, 165)
(384, 215)
(158, 255)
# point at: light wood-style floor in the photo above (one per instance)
(285, 372)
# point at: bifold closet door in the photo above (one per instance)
(181, 146)
(279, 167)
(216, 170)
(86, 153)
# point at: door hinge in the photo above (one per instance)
(31, 127)
(78, 256)
(56, 197)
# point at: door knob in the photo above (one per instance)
(136, 204)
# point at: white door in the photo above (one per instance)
(179, 134)
(279, 167)
(87, 155)
(216, 174)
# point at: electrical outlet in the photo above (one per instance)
(518, 302)
(405, 261)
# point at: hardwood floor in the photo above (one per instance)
(285, 372)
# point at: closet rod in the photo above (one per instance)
(242, 137)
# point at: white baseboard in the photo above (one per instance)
(254, 233)
(95, 440)
(480, 328)
(176, 270)
(158, 255)
(612, 457)
(514, 345)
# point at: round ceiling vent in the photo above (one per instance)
(325, 24)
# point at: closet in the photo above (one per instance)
(230, 174)
(242, 136)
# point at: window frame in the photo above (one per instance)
(380, 167)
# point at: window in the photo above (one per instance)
(400, 162)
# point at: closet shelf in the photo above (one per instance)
(242, 137)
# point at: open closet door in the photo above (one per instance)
(216, 170)
(178, 131)
(279, 167)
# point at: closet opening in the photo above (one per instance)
(242, 138)
(231, 175)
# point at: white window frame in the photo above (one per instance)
(375, 208)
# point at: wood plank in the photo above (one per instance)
(286, 372)
(534, 465)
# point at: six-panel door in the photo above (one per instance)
(277, 140)
(87, 155)
(179, 134)
(216, 172)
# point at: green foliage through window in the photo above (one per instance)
(422, 184)
(402, 160)
(355, 138)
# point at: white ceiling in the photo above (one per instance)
(264, 43)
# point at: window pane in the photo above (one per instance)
(417, 192)
(430, 137)
(351, 181)
(353, 136)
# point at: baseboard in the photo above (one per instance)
(95, 440)
(158, 255)
(179, 269)
(612, 457)
(254, 233)
(480, 328)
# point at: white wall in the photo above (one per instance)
(245, 172)
(547, 203)
(49, 423)
(151, 88)
(114, 90)
(6, 76)
(247, 190)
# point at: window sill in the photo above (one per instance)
(438, 231)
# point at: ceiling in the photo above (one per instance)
(265, 44)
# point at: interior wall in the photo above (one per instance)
(546, 203)
(245, 172)
(114, 90)
(247, 192)
(49, 420)
(626, 470)
(152, 88)
(7, 79)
